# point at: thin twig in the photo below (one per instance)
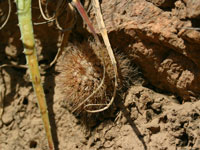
(12, 65)
(44, 22)
(191, 28)
(94, 92)
(85, 17)
(8, 16)
(65, 36)
(2, 94)
(42, 13)
(60, 50)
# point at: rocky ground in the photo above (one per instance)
(160, 113)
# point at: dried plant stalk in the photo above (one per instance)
(104, 34)
(26, 28)
(42, 13)
(8, 16)
(2, 94)
(69, 23)
(85, 17)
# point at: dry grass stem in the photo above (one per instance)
(42, 13)
(93, 93)
(85, 17)
(70, 21)
(12, 65)
(2, 94)
(8, 16)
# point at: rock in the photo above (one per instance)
(193, 10)
(7, 118)
(162, 3)
(158, 41)
(153, 126)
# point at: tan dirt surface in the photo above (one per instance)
(159, 112)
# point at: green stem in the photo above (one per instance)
(27, 36)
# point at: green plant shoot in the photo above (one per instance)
(27, 36)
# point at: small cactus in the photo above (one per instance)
(81, 72)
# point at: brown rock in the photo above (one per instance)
(7, 118)
(158, 41)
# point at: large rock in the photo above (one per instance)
(158, 40)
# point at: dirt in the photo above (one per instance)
(160, 112)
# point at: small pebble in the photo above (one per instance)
(7, 118)
(154, 126)
(11, 51)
